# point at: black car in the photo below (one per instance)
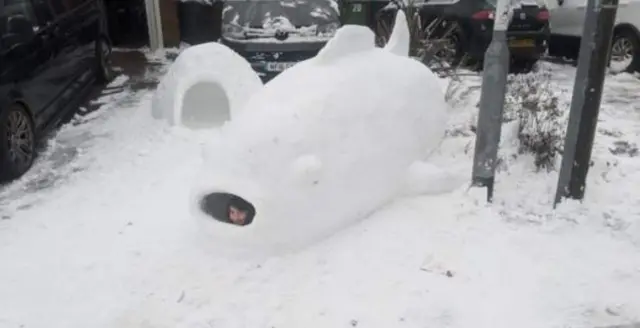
(528, 32)
(274, 35)
(51, 51)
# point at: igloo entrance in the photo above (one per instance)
(205, 105)
(207, 85)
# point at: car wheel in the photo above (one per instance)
(451, 50)
(17, 143)
(104, 69)
(625, 52)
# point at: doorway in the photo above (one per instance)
(198, 113)
(127, 23)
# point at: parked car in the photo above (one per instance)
(528, 32)
(567, 20)
(274, 35)
(50, 53)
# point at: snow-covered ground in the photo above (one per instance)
(102, 239)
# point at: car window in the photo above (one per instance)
(36, 11)
(19, 7)
(18, 24)
(283, 14)
(492, 3)
(63, 6)
(540, 3)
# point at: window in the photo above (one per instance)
(19, 7)
(297, 16)
(17, 24)
(63, 6)
(35, 11)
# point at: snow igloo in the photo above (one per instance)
(206, 86)
(322, 145)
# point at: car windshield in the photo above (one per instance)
(244, 19)
(18, 7)
(539, 3)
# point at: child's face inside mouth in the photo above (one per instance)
(237, 216)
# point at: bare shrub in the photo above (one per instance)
(429, 40)
(532, 101)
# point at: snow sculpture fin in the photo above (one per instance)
(425, 178)
(349, 39)
(400, 38)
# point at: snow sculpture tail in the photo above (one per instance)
(400, 38)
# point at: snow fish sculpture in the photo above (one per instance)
(206, 85)
(325, 143)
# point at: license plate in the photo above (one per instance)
(521, 43)
(278, 66)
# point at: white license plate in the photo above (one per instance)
(278, 66)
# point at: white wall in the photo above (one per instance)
(154, 24)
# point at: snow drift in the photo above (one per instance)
(325, 143)
(207, 85)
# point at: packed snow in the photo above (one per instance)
(290, 155)
(110, 245)
(399, 41)
(206, 86)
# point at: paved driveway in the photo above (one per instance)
(138, 74)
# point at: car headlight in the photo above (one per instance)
(327, 29)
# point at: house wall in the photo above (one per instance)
(153, 24)
(171, 22)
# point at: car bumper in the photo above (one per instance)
(522, 45)
(270, 59)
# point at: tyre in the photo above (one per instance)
(452, 50)
(104, 68)
(625, 52)
(17, 143)
(564, 47)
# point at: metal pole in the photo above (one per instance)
(587, 94)
(494, 87)
(158, 24)
(154, 26)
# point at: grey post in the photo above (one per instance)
(494, 87)
(587, 94)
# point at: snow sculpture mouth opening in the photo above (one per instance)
(205, 105)
(228, 208)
